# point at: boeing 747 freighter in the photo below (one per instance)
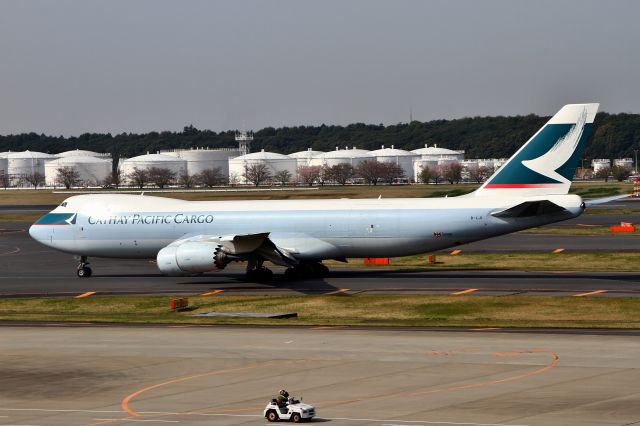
(191, 237)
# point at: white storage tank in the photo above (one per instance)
(26, 163)
(434, 153)
(92, 171)
(626, 163)
(445, 161)
(489, 163)
(82, 153)
(145, 162)
(469, 164)
(419, 164)
(498, 162)
(199, 160)
(351, 156)
(400, 157)
(274, 161)
(4, 162)
(304, 157)
(599, 164)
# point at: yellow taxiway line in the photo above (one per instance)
(469, 290)
(590, 293)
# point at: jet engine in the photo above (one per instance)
(192, 257)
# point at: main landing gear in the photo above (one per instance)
(307, 270)
(83, 270)
(256, 272)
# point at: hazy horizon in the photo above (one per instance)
(71, 67)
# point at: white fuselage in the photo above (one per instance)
(135, 226)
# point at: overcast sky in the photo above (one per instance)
(69, 67)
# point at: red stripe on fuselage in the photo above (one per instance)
(521, 185)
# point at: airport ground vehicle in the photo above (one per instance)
(295, 411)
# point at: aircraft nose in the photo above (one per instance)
(35, 232)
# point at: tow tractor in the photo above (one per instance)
(294, 410)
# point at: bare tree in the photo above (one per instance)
(425, 173)
(604, 173)
(34, 179)
(620, 173)
(282, 176)
(438, 173)
(5, 181)
(391, 172)
(309, 174)
(372, 171)
(479, 174)
(453, 172)
(257, 173)
(161, 176)
(210, 177)
(186, 180)
(234, 179)
(340, 173)
(114, 179)
(139, 177)
(67, 176)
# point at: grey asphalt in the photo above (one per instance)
(28, 268)
(225, 376)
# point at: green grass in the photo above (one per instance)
(576, 230)
(19, 217)
(627, 261)
(361, 310)
(584, 189)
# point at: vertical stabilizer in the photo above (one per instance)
(545, 165)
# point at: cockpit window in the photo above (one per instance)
(64, 204)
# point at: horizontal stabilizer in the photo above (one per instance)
(530, 209)
(604, 200)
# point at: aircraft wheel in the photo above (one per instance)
(321, 270)
(259, 275)
(84, 272)
(265, 275)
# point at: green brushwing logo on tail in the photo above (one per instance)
(548, 159)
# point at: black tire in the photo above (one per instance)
(291, 274)
(296, 417)
(272, 416)
(321, 270)
(251, 276)
(266, 275)
(84, 272)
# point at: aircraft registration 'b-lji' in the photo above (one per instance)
(191, 237)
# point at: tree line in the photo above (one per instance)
(614, 136)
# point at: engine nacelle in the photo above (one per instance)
(191, 257)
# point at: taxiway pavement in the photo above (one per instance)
(224, 376)
(28, 268)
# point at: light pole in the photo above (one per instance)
(635, 152)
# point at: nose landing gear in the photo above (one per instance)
(83, 270)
